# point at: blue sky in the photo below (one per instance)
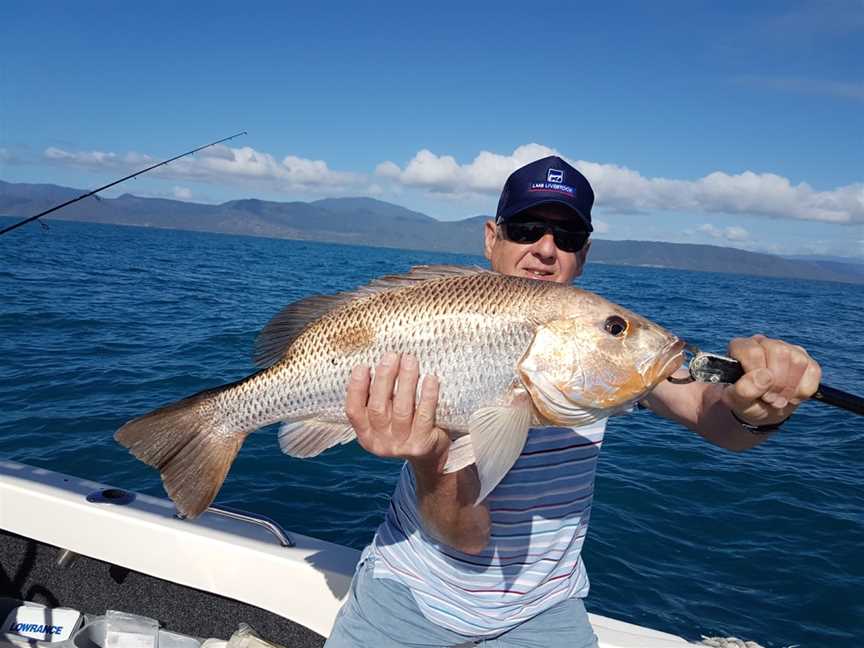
(733, 123)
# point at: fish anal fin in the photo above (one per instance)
(310, 437)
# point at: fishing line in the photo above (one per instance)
(129, 177)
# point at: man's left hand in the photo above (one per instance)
(778, 376)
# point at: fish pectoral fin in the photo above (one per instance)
(310, 437)
(498, 435)
(460, 454)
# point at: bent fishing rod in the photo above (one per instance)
(116, 182)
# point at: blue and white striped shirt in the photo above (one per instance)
(539, 514)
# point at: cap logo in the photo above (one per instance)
(554, 175)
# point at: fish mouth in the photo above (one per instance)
(671, 357)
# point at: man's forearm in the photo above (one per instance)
(446, 504)
(717, 424)
(701, 408)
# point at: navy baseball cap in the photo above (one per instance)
(550, 180)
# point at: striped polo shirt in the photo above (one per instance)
(539, 514)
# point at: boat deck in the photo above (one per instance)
(29, 571)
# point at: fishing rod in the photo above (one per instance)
(116, 182)
(714, 368)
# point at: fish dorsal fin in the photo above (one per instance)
(283, 329)
(419, 274)
(287, 324)
(498, 436)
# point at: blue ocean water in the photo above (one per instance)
(99, 324)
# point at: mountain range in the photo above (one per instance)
(367, 221)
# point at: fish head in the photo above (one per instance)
(595, 358)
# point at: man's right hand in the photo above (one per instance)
(387, 423)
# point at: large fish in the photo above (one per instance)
(510, 353)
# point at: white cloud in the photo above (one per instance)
(710, 230)
(600, 227)
(182, 193)
(223, 164)
(486, 174)
(852, 249)
(12, 156)
(733, 233)
(618, 188)
(219, 151)
(621, 189)
(97, 159)
(388, 170)
(174, 193)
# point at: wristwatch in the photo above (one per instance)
(758, 430)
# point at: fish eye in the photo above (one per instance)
(615, 325)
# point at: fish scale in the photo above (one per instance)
(447, 327)
(509, 352)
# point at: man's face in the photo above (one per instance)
(541, 259)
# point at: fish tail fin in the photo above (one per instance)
(190, 443)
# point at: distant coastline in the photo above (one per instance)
(370, 222)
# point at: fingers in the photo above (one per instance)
(749, 389)
(749, 352)
(380, 405)
(355, 401)
(406, 390)
(809, 383)
(431, 442)
(777, 361)
(777, 374)
(386, 420)
(424, 417)
(381, 390)
(797, 367)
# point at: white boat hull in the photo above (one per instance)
(306, 583)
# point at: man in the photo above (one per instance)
(507, 572)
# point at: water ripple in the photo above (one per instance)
(99, 324)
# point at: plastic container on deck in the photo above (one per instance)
(30, 624)
(123, 630)
(175, 640)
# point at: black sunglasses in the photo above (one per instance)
(530, 231)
